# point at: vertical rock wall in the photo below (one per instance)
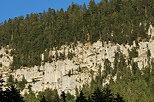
(67, 74)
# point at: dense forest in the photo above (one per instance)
(117, 21)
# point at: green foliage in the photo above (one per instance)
(87, 89)
(98, 96)
(135, 69)
(61, 57)
(29, 88)
(81, 98)
(107, 67)
(70, 98)
(117, 21)
(21, 84)
(70, 55)
(7, 51)
(132, 84)
(43, 99)
(135, 85)
(10, 81)
(10, 94)
(1, 55)
(120, 65)
(46, 56)
(148, 53)
(76, 91)
(50, 95)
(133, 53)
(96, 82)
(0, 64)
(1, 83)
(137, 89)
(63, 96)
(30, 97)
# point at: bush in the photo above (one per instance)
(133, 53)
(21, 84)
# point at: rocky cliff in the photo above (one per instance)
(70, 73)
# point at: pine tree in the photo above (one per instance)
(11, 94)
(119, 99)
(81, 98)
(63, 96)
(108, 96)
(98, 96)
(43, 99)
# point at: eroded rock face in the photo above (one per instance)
(66, 75)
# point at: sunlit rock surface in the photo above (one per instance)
(66, 75)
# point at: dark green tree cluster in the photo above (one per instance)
(10, 94)
(99, 95)
(133, 53)
(135, 87)
(19, 84)
(49, 95)
(117, 21)
(133, 82)
(120, 65)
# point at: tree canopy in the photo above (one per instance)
(117, 21)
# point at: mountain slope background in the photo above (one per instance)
(82, 48)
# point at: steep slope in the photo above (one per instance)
(69, 73)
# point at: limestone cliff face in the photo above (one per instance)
(67, 74)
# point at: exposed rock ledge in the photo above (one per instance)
(66, 75)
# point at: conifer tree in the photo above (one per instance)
(81, 98)
(43, 99)
(98, 96)
(63, 96)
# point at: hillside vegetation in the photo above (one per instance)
(109, 21)
(117, 21)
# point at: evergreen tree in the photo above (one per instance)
(1, 83)
(43, 99)
(63, 96)
(98, 96)
(81, 98)
(108, 96)
(11, 94)
(107, 67)
(1, 90)
(119, 98)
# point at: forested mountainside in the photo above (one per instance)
(117, 21)
(101, 52)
